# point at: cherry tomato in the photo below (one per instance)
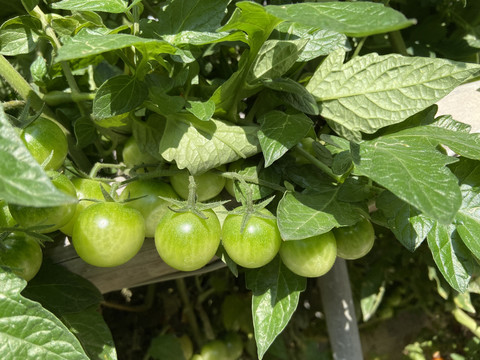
(310, 257)
(187, 242)
(234, 344)
(356, 241)
(85, 189)
(257, 245)
(6, 219)
(132, 156)
(214, 350)
(54, 216)
(108, 234)
(42, 138)
(22, 253)
(208, 184)
(149, 204)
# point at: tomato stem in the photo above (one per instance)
(99, 166)
(320, 165)
(192, 320)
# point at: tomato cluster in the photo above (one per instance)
(111, 219)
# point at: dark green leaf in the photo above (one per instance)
(28, 331)
(294, 94)
(85, 132)
(300, 216)
(276, 291)
(350, 18)
(453, 259)
(279, 132)
(30, 4)
(111, 6)
(149, 134)
(19, 35)
(118, 95)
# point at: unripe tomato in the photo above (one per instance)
(42, 138)
(234, 344)
(257, 245)
(187, 242)
(356, 241)
(85, 189)
(22, 254)
(310, 257)
(214, 350)
(149, 204)
(132, 156)
(54, 216)
(108, 234)
(208, 184)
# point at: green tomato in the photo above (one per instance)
(108, 234)
(214, 350)
(356, 241)
(234, 344)
(6, 219)
(186, 241)
(257, 245)
(132, 156)
(149, 204)
(85, 189)
(310, 257)
(22, 254)
(236, 313)
(42, 138)
(307, 145)
(208, 184)
(187, 346)
(53, 216)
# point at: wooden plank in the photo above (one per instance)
(145, 268)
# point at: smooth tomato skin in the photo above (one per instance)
(310, 257)
(85, 189)
(214, 350)
(132, 156)
(55, 216)
(234, 344)
(6, 219)
(356, 241)
(257, 245)
(208, 184)
(187, 242)
(150, 205)
(42, 137)
(22, 253)
(108, 234)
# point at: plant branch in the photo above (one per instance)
(397, 42)
(319, 164)
(192, 320)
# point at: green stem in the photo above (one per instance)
(192, 320)
(253, 180)
(466, 321)
(99, 166)
(397, 42)
(319, 164)
(359, 46)
(192, 192)
(55, 98)
(13, 104)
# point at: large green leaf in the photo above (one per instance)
(453, 259)
(202, 145)
(373, 91)
(279, 132)
(19, 35)
(350, 18)
(414, 171)
(294, 94)
(88, 42)
(111, 6)
(22, 180)
(28, 331)
(276, 291)
(300, 216)
(118, 95)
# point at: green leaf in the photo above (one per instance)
(165, 347)
(28, 331)
(201, 38)
(202, 110)
(22, 180)
(85, 132)
(279, 132)
(88, 42)
(373, 91)
(371, 292)
(303, 215)
(453, 259)
(30, 4)
(356, 19)
(149, 134)
(414, 171)
(408, 225)
(294, 94)
(19, 35)
(203, 145)
(276, 291)
(111, 6)
(118, 95)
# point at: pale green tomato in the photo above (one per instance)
(132, 156)
(208, 184)
(356, 241)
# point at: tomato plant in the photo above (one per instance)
(148, 203)
(208, 184)
(43, 138)
(85, 189)
(51, 218)
(356, 241)
(256, 245)
(186, 241)
(132, 156)
(108, 234)
(310, 257)
(6, 219)
(22, 253)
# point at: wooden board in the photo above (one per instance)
(145, 268)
